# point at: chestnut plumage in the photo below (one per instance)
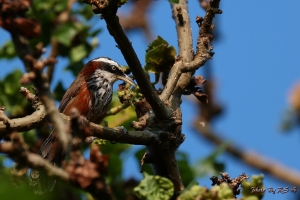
(91, 94)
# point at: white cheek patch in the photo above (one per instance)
(111, 62)
(100, 75)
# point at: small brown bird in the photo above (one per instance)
(91, 94)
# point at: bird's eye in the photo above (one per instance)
(113, 68)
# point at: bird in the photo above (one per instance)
(91, 94)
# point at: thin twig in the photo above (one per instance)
(23, 49)
(203, 50)
(114, 134)
(117, 109)
(255, 160)
(33, 160)
(4, 118)
(53, 54)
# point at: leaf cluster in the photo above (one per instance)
(16, 105)
(159, 57)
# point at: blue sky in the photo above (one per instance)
(255, 65)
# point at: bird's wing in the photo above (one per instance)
(71, 93)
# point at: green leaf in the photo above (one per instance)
(157, 42)
(11, 98)
(289, 120)
(219, 192)
(55, 6)
(78, 53)
(187, 173)
(75, 67)
(59, 91)
(256, 182)
(59, 6)
(85, 11)
(159, 56)
(16, 187)
(210, 165)
(65, 33)
(29, 137)
(192, 192)
(94, 33)
(2, 158)
(115, 164)
(139, 155)
(154, 187)
(122, 2)
(174, 1)
(114, 167)
(7, 51)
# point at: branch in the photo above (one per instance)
(130, 137)
(252, 159)
(62, 18)
(53, 54)
(34, 161)
(117, 109)
(120, 135)
(172, 81)
(203, 49)
(108, 10)
(25, 123)
(4, 118)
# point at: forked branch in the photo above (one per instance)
(188, 62)
(108, 10)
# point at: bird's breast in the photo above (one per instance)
(101, 92)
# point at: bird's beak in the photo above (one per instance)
(127, 79)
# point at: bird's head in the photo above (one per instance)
(105, 68)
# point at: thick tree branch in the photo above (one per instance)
(172, 81)
(177, 83)
(25, 123)
(108, 10)
(203, 49)
(257, 161)
(120, 135)
(113, 134)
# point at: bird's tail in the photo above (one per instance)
(51, 150)
(40, 182)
